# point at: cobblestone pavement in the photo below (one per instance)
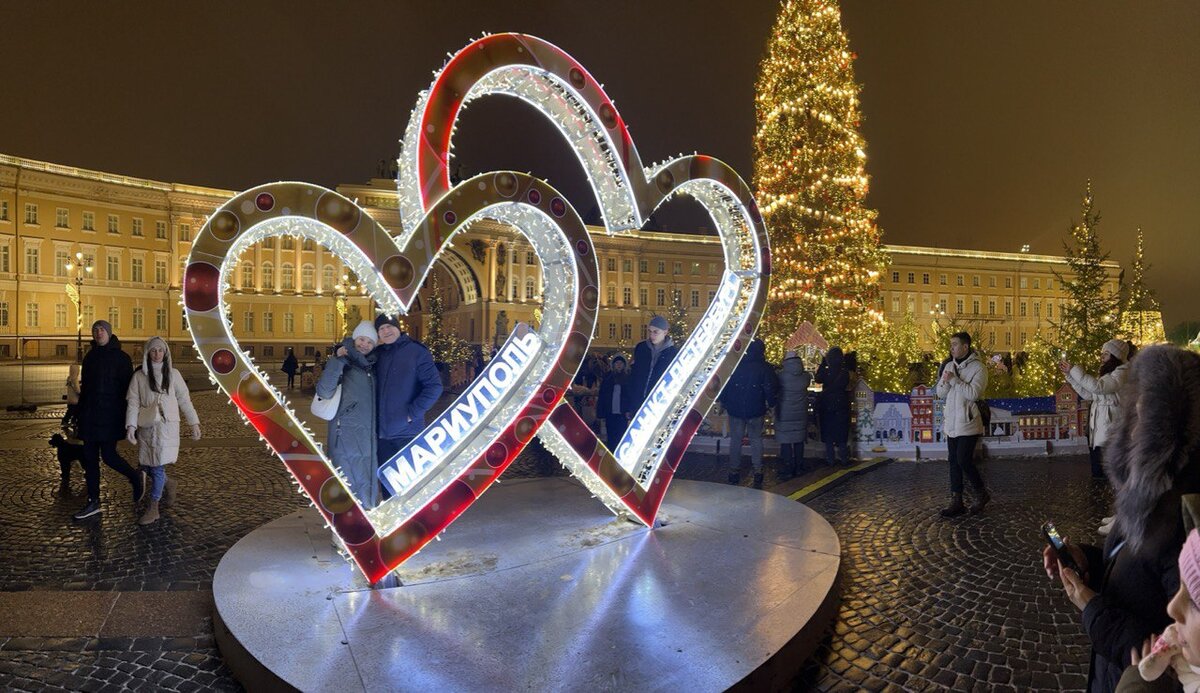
(930, 604)
(926, 604)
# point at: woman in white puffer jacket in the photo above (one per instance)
(1104, 393)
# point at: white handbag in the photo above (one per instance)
(327, 408)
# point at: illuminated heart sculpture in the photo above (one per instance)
(632, 479)
(494, 418)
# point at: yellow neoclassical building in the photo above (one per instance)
(134, 234)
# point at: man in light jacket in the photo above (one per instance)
(961, 384)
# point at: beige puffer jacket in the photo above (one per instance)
(159, 444)
(1104, 393)
(960, 416)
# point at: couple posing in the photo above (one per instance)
(388, 383)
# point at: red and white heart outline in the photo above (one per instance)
(541, 74)
(380, 539)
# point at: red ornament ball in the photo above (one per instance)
(201, 282)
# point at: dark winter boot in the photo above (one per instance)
(758, 480)
(151, 515)
(735, 478)
(956, 506)
(981, 499)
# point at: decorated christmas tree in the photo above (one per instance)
(887, 356)
(443, 345)
(811, 182)
(677, 317)
(1141, 317)
(1088, 319)
(1037, 373)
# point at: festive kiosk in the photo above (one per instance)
(537, 585)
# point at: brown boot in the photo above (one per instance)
(168, 498)
(981, 499)
(956, 506)
(151, 515)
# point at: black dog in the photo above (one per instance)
(67, 453)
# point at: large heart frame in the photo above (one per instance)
(633, 479)
(379, 539)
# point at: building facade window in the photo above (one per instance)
(991, 307)
(695, 298)
(975, 280)
(627, 331)
(3, 210)
(289, 243)
(289, 323)
(895, 277)
(660, 297)
(1024, 308)
(160, 271)
(309, 323)
(5, 261)
(643, 266)
(247, 276)
(677, 268)
(248, 321)
(136, 270)
(327, 277)
(3, 313)
(268, 321)
(287, 277)
(530, 257)
(268, 277)
(31, 213)
(612, 295)
(308, 278)
(138, 318)
(185, 232)
(89, 221)
(61, 259)
(136, 229)
(114, 317)
(160, 319)
(661, 267)
(925, 278)
(643, 297)
(60, 315)
(112, 268)
(309, 245)
(160, 230)
(611, 264)
(958, 305)
(31, 314)
(942, 279)
(529, 289)
(61, 218)
(32, 261)
(114, 223)
(627, 265)
(627, 296)
(912, 277)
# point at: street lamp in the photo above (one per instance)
(342, 291)
(81, 268)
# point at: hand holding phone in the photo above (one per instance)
(1058, 547)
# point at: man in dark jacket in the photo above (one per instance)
(407, 384)
(608, 405)
(105, 379)
(750, 391)
(650, 360)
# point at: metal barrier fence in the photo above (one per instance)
(44, 383)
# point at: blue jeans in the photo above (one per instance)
(158, 479)
(752, 430)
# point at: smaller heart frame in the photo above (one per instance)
(520, 387)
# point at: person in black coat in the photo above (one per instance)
(1153, 460)
(290, 366)
(651, 357)
(750, 391)
(105, 379)
(833, 405)
(608, 402)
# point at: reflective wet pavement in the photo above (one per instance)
(927, 604)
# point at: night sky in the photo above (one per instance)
(983, 119)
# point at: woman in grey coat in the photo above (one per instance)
(352, 432)
(791, 416)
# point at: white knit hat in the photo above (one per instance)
(366, 328)
(1119, 348)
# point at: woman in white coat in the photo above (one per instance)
(157, 398)
(1104, 393)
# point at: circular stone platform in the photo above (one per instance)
(537, 586)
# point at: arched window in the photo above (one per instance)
(327, 281)
(307, 278)
(287, 275)
(247, 276)
(268, 276)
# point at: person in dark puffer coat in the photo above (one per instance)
(833, 405)
(105, 380)
(751, 390)
(352, 431)
(1153, 460)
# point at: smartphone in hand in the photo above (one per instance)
(1060, 547)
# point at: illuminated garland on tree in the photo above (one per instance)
(1086, 322)
(811, 181)
(1141, 319)
(1037, 369)
(444, 346)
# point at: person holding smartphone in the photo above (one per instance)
(961, 383)
(1103, 392)
(1123, 588)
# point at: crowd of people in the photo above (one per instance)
(1137, 594)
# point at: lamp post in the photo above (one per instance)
(81, 268)
(342, 291)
